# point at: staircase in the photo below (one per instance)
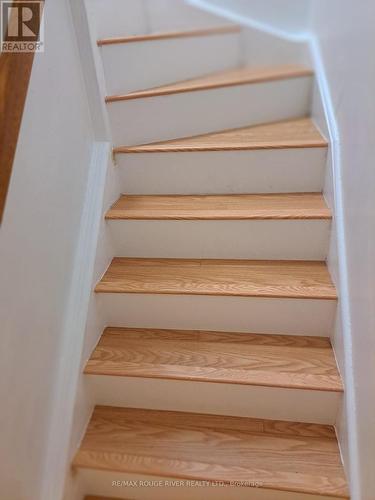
(216, 377)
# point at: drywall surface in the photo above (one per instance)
(111, 18)
(38, 239)
(290, 17)
(345, 38)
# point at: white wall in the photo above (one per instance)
(38, 240)
(112, 18)
(286, 16)
(345, 40)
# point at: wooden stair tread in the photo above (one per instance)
(251, 278)
(234, 358)
(279, 455)
(298, 133)
(91, 497)
(165, 35)
(227, 78)
(223, 207)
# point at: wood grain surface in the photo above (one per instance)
(234, 358)
(279, 455)
(298, 133)
(90, 497)
(223, 207)
(149, 37)
(248, 278)
(15, 71)
(227, 78)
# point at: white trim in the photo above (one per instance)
(344, 303)
(91, 70)
(70, 350)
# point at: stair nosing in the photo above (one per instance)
(102, 289)
(222, 214)
(196, 149)
(115, 338)
(165, 35)
(108, 285)
(164, 90)
(315, 388)
(223, 140)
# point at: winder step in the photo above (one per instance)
(227, 78)
(298, 133)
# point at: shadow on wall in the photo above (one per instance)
(292, 20)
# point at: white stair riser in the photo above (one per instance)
(221, 313)
(202, 397)
(140, 65)
(141, 487)
(138, 121)
(117, 18)
(259, 239)
(223, 172)
(167, 15)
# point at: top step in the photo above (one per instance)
(149, 37)
(170, 56)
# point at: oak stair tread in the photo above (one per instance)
(228, 78)
(296, 133)
(234, 358)
(220, 207)
(92, 497)
(285, 456)
(165, 35)
(247, 278)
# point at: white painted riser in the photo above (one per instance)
(140, 65)
(214, 398)
(117, 485)
(137, 121)
(222, 172)
(165, 15)
(222, 313)
(259, 239)
(116, 18)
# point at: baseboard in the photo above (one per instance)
(337, 265)
(57, 456)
